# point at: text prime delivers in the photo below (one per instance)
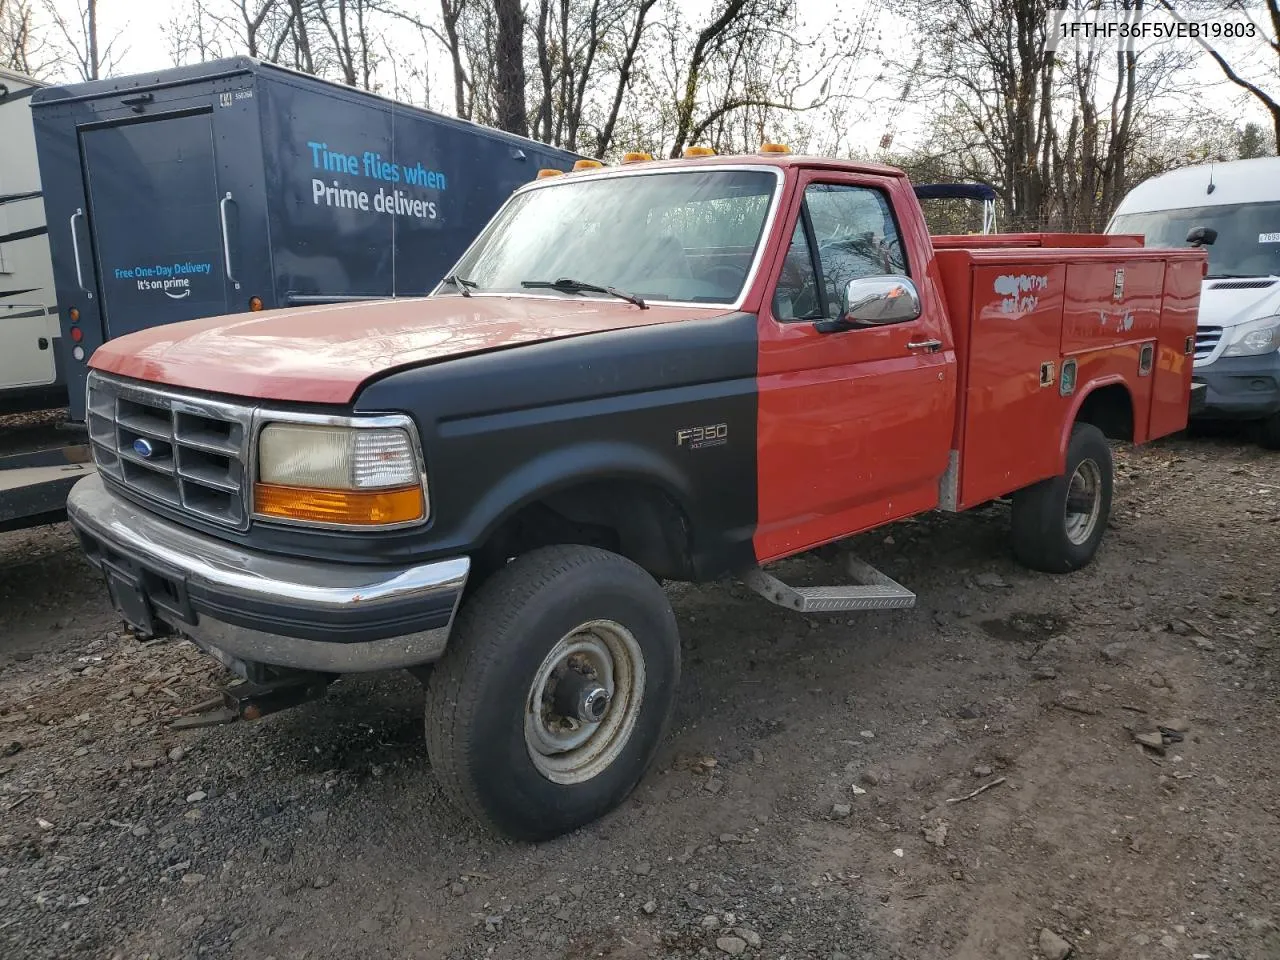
(373, 166)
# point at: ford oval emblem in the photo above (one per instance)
(143, 448)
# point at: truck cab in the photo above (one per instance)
(1233, 211)
(661, 371)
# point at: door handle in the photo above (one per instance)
(75, 252)
(226, 240)
(930, 345)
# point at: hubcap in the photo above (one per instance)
(1084, 502)
(584, 701)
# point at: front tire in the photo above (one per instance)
(1058, 523)
(512, 707)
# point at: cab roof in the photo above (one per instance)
(782, 161)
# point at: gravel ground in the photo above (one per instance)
(817, 797)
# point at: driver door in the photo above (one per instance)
(855, 426)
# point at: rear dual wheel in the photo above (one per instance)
(1058, 523)
(555, 691)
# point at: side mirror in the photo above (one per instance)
(874, 302)
(1202, 236)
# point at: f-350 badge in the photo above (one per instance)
(709, 435)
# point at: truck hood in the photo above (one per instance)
(324, 354)
(1226, 303)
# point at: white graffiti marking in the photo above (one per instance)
(1019, 292)
(1122, 321)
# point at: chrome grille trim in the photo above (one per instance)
(1207, 341)
(202, 447)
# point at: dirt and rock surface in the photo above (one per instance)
(818, 795)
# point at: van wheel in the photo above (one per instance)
(554, 692)
(1058, 523)
(1269, 436)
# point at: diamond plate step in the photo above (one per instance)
(871, 590)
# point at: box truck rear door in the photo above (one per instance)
(156, 221)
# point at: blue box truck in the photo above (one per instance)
(236, 185)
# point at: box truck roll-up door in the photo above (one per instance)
(157, 223)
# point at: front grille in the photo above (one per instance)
(186, 452)
(1206, 340)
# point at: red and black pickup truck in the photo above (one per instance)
(672, 370)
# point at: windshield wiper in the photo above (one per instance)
(577, 286)
(461, 283)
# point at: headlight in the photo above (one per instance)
(339, 475)
(1253, 338)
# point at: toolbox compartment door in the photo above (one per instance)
(1011, 411)
(1171, 400)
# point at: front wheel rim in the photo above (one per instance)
(562, 748)
(1083, 508)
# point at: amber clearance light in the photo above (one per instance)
(345, 507)
(348, 472)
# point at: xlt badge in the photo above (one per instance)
(695, 438)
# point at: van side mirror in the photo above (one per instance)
(1202, 236)
(874, 302)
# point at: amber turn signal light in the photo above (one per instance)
(364, 508)
(255, 303)
(74, 314)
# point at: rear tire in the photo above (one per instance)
(1058, 523)
(498, 740)
(1269, 435)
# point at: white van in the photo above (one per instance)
(1237, 204)
(29, 330)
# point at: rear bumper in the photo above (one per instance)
(261, 608)
(1240, 388)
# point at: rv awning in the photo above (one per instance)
(954, 191)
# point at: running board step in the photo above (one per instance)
(871, 590)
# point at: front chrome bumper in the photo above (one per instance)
(260, 608)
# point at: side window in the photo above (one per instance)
(796, 297)
(856, 236)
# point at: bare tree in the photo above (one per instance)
(450, 34)
(347, 23)
(451, 12)
(989, 63)
(478, 37)
(625, 66)
(192, 35)
(1264, 16)
(753, 69)
(1052, 130)
(581, 46)
(299, 35)
(92, 58)
(263, 29)
(253, 18)
(22, 47)
(509, 92)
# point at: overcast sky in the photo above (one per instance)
(141, 25)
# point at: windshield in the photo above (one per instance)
(1248, 243)
(680, 235)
